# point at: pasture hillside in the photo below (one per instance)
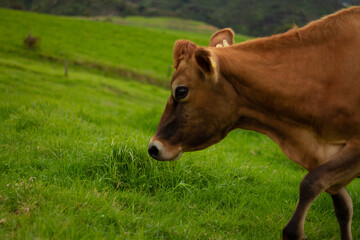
(125, 50)
(73, 150)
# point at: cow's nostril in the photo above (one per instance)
(153, 151)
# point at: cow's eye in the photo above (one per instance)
(181, 92)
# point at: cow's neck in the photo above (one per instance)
(269, 97)
(265, 82)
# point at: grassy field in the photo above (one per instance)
(73, 150)
(144, 50)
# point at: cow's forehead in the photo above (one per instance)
(181, 75)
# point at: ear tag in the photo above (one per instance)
(212, 63)
(225, 44)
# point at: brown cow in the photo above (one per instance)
(300, 88)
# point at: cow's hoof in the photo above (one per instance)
(293, 237)
(291, 234)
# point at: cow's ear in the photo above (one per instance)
(205, 61)
(222, 38)
(183, 49)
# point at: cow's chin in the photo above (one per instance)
(202, 146)
(169, 156)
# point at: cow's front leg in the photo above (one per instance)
(294, 230)
(343, 166)
(344, 211)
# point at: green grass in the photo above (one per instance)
(144, 50)
(74, 163)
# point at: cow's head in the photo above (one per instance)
(200, 110)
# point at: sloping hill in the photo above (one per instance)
(125, 50)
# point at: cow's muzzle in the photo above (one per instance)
(162, 151)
